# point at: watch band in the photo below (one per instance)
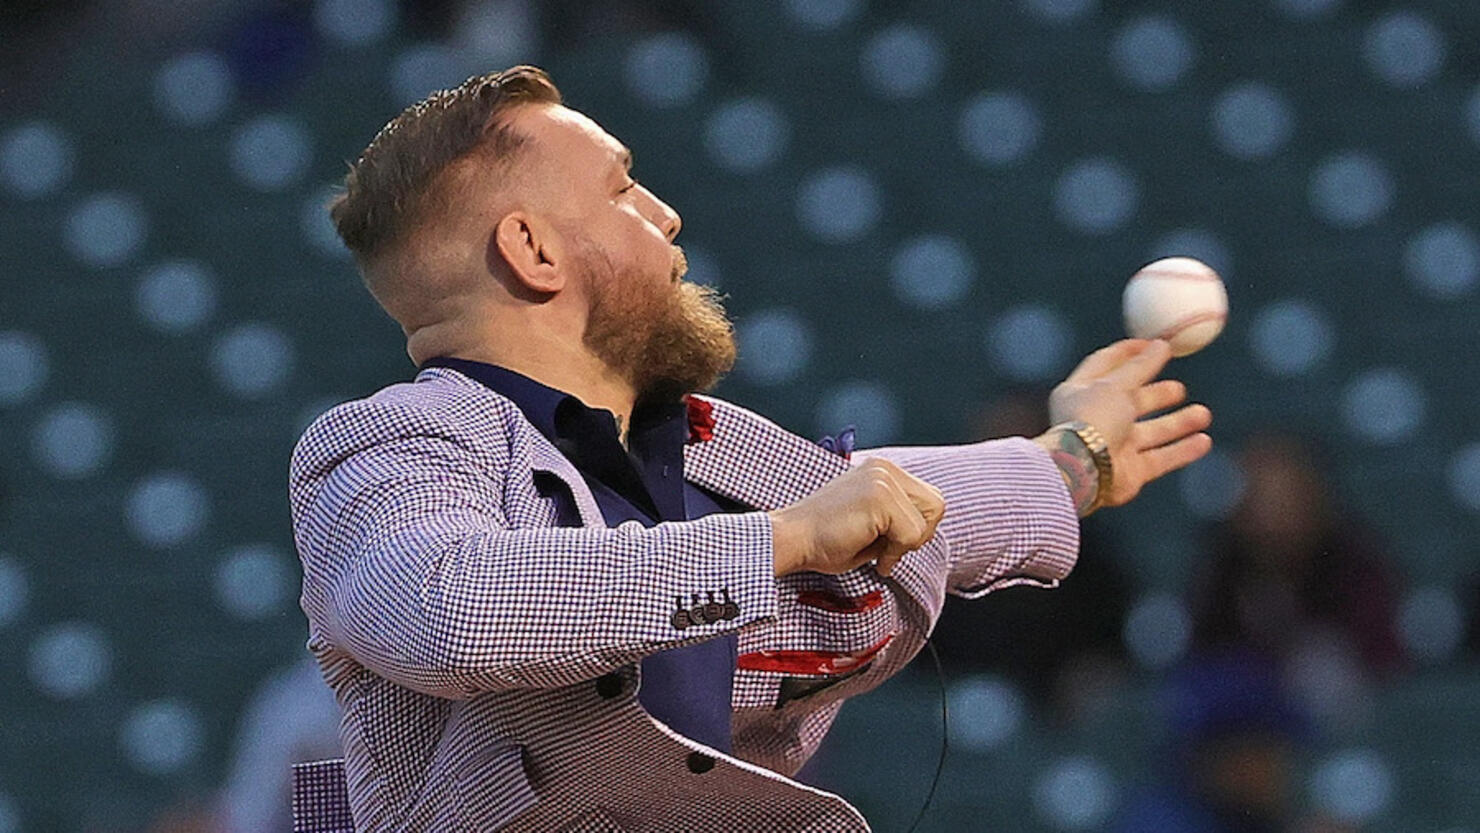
(1099, 451)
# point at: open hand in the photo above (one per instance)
(1115, 389)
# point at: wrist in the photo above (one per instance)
(784, 546)
(1083, 460)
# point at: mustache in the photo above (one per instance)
(680, 263)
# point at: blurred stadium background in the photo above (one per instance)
(923, 212)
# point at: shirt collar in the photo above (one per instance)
(539, 402)
(546, 408)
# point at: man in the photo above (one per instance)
(552, 587)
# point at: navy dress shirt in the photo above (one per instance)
(687, 688)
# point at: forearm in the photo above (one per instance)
(1009, 516)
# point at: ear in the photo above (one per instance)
(531, 251)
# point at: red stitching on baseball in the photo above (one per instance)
(1196, 318)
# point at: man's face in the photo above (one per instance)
(665, 335)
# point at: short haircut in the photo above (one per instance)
(390, 188)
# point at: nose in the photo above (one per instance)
(662, 215)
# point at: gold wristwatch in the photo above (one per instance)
(1099, 451)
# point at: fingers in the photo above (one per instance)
(926, 499)
(1144, 366)
(1158, 396)
(1169, 428)
(1169, 458)
(910, 510)
(1106, 359)
(908, 528)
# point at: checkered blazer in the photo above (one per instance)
(485, 659)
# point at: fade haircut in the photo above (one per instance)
(392, 188)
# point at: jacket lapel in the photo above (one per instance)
(545, 457)
(750, 459)
(542, 454)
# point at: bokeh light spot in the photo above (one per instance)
(23, 366)
(1212, 487)
(775, 346)
(1464, 476)
(166, 509)
(1157, 630)
(1291, 337)
(70, 660)
(354, 22)
(839, 205)
(163, 736)
(106, 229)
(932, 271)
(176, 296)
(746, 135)
(423, 68)
(1152, 53)
(999, 128)
(1096, 196)
(36, 159)
(253, 582)
(1074, 793)
(195, 88)
(668, 69)
(1383, 406)
(1030, 343)
(1443, 260)
(73, 440)
(1354, 786)
(1351, 190)
(15, 591)
(903, 61)
(1431, 623)
(1404, 49)
(271, 153)
(984, 711)
(1252, 121)
(252, 360)
(867, 405)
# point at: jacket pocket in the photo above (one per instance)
(492, 788)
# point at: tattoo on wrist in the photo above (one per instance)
(1077, 465)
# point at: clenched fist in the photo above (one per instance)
(876, 513)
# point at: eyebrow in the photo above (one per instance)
(626, 159)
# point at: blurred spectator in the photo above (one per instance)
(1233, 743)
(1293, 580)
(1064, 645)
(290, 718)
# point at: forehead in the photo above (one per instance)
(568, 135)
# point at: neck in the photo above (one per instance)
(563, 364)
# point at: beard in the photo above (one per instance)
(666, 339)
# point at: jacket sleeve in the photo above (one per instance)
(411, 567)
(1009, 518)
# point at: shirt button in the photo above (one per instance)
(699, 763)
(609, 685)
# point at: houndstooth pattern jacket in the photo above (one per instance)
(485, 659)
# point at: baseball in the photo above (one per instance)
(1178, 299)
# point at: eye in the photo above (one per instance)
(628, 187)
